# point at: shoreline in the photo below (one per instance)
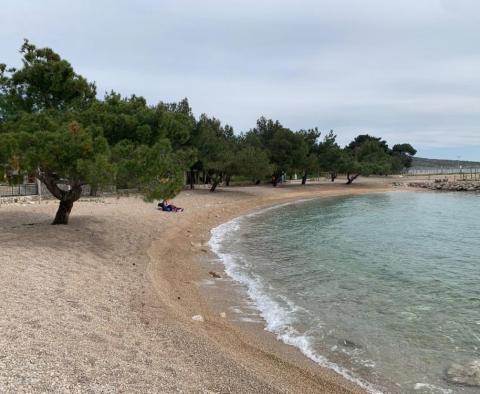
(251, 340)
(249, 298)
(105, 304)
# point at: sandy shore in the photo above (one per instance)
(106, 303)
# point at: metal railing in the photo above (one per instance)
(25, 189)
(443, 171)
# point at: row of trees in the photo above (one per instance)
(279, 150)
(53, 127)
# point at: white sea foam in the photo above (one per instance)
(432, 388)
(277, 318)
(250, 320)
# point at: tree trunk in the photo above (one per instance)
(257, 182)
(350, 179)
(214, 185)
(63, 212)
(215, 180)
(66, 204)
(66, 197)
(227, 180)
(333, 175)
(93, 191)
(192, 180)
(275, 180)
(304, 178)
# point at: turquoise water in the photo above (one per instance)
(384, 288)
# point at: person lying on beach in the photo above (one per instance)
(165, 206)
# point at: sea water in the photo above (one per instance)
(384, 288)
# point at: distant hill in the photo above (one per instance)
(420, 163)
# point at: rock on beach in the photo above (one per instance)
(468, 374)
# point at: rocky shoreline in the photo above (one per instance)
(444, 185)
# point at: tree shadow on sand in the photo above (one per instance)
(33, 230)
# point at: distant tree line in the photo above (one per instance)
(53, 127)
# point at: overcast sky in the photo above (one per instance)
(406, 70)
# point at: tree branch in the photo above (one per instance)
(51, 184)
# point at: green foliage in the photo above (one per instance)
(253, 162)
(177, 122)
(37, 135)
(287, 151)
(98, 171)
(45, 82)
(160, 171)
(157, 171)
(330, 155)
(123, 119)
(262, 135)
(367, 155)
(64, 152)
(310, 161)
(72, 154)
(217, 147)
(364, 138)
(373, 158)
(402, 156)
(126, 157)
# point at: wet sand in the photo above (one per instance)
(105, 304)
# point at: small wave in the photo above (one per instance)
(249, 320)
(277, 318)
(432, 388)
